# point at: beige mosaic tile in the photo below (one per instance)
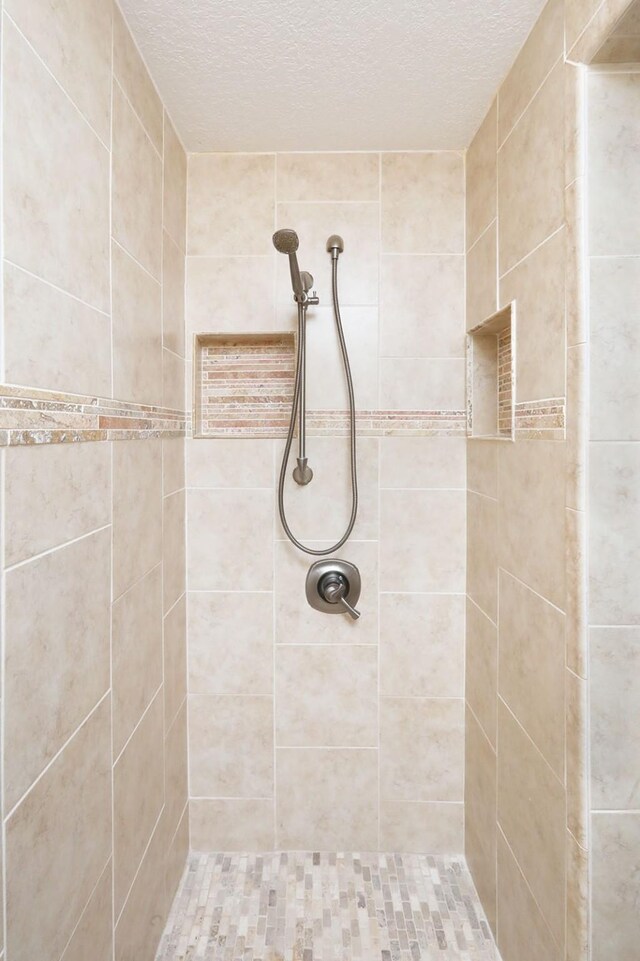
(317, 907)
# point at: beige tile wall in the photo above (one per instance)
(308, 730)
(614, 507)
(525, 640)
(95, 819)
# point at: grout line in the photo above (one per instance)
(135, 113)
(139, 722)
(61, 290)
(86, 905)
(58, 753)
(67, 96)
(524, 877)
(53, 550)
(514, 125)
(139, 868)
(156, 280)
(531, 252)
(532, 742)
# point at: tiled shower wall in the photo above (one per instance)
(614, 506)
(525, 744)
(95, 823)
(309, 730)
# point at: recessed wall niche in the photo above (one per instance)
(491, 387)
(242, 384)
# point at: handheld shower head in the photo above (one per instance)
(286, 242)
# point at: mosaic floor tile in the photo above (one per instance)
(326, 907)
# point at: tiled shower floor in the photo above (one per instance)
(326, 907)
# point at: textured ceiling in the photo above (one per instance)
(263, 75)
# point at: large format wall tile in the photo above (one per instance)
(175, 659)
(231, 746)
(58, 844)
(482, 552)
(614, 114)
(531, 666)
(422, 645)
(224, 463)
(532, 155)
(481, 669)
(326, 513)
(481, 177)
(328, 177)
(140, 925)
(531, 522)
(614, 348)
(429, 525)
(56, 655)
(482, 278)
(423, 203)
(540, 311)
(229, 654)
(53, 356)
(137, 331)
(174, 215)
(296, 622)
(137, 511)
(326, 695)
(419, 384)
(543, 47)
(222, 294)
(230, 540)
(136, 653)
(231, 204)
(138, 796)
(421, 827)
(480, 814)
(434, 462)
(615, 921)
(137, 188)
(422, 749)
(412, 325)
(327, 799)
(173, 548)
(531, 814)
(231, 825)
(131, 73)
(614, 533)
(176, 776)
(93, 936)
(53, 495)
(522, 930)
(58, 235)
(74, 40)
(358, 224)
(615, 705)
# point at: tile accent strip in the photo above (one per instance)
(541, 419)
(29, 416)
(244, 386)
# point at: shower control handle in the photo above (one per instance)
(333, 588)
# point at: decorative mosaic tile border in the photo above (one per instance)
(505, 383)
(30, 417)
(541, 419)
(244, 386)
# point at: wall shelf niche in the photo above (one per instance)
(491, 378)
(242, 384)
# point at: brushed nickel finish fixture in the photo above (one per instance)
(333, 586)
(286, 242)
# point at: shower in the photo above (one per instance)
(331, 587)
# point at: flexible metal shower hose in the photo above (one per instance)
(292, 425)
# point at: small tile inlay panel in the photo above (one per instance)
(317, 907)
(541, 419)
